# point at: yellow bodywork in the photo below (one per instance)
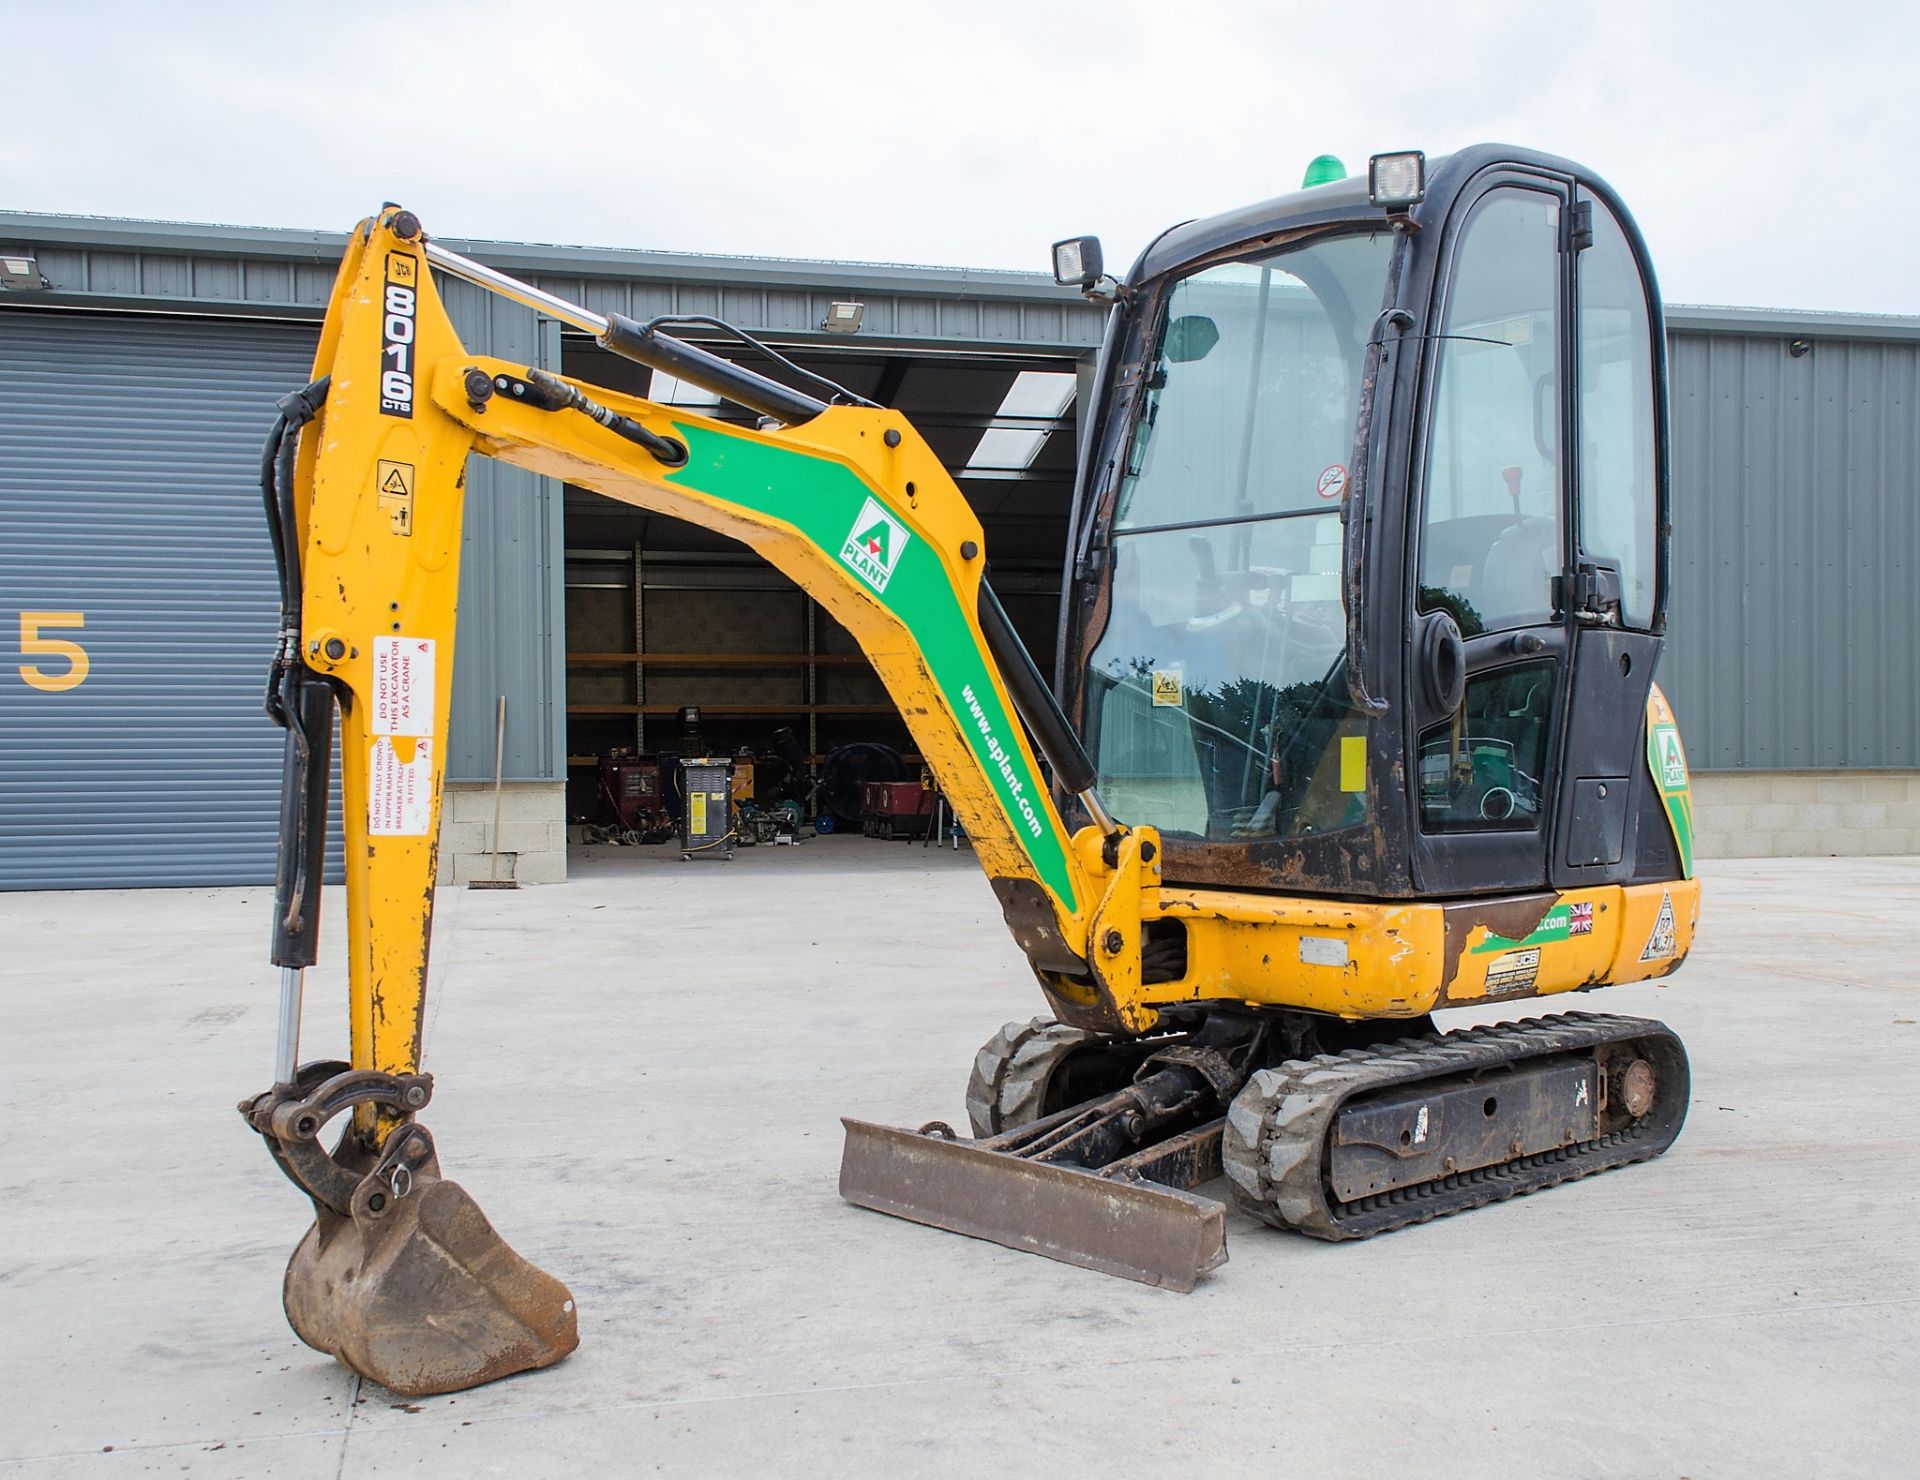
(380, 496)
(1357, 959)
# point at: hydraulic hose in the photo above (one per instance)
(298, 699)
(283, 526)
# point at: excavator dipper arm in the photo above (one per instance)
(401, 1276)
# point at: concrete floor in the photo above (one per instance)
(639, 1077)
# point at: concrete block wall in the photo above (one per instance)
(1803, 814)
(533, 832)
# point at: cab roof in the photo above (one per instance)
(1343, 200)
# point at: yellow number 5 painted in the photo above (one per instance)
(33, 645)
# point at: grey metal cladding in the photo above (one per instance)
(1795, 479)
(511, 633)
(106, 262)
(1795, 623)
(129, 467)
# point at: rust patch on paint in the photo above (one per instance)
(1512, 916)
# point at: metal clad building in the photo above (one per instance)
(130, 555)
(1796, 540)
(136, 387)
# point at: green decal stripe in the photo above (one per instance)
(1556, 924)
(822, 499)
(1677, 800)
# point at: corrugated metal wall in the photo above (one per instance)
(129, 495)
(129, 457)
(225, 269)
(511, 637)
(1796, 491)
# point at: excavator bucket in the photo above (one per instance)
(1113, 1220)
(424, 1297)
(401, 1276)
(416, 1290)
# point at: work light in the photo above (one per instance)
(1077, 262)
(1397, 181)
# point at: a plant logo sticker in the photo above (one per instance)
(874, 545)
(1673, 764)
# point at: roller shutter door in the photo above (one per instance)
(129, 499)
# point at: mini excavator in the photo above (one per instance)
(1354, 721)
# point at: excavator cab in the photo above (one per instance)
(1366, 582)
(1354, 721)
(1369, 557)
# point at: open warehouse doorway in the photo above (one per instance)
(662, 615)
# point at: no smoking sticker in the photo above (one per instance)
(1333, 481)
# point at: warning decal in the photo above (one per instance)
(399, 790)
(1661, 943)
(394, 481)
(403, 686)
(1332, 482)
(1166, 688)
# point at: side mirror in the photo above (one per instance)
(1190, 337)
(1077, 262)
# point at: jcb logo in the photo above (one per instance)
(396, 337)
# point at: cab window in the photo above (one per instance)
(1491, 543)
(1617, 516)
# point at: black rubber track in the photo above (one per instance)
(1276, 1138)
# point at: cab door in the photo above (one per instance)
(1491, 645)
(1615, 591)
(1536, 543)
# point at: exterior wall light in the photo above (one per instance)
(843, 318)
(20, 273)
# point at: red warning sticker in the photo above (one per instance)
(403, 680)
(400, 788)
(1333, 481)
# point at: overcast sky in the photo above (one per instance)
(1767, 148)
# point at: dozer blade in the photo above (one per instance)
(1136, 1229)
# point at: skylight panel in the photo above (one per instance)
(1036, 396)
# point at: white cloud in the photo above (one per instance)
(1764, 147)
